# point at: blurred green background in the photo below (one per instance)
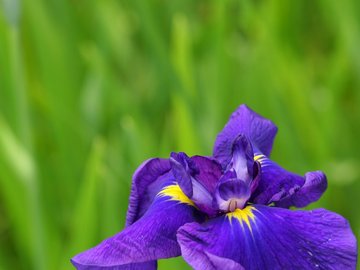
(89, 89)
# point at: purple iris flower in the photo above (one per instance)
(229, 211)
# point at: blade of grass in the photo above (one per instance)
(26, 205)
(86, 220)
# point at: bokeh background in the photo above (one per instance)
(89, 89)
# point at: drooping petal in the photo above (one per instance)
(135, 266)
(207, 261)
(261, 237)
(151, 237)
(146, 183)
(314, 186)
(260, 131)
(284, 188)
(219, 262)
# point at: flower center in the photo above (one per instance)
(232, 205)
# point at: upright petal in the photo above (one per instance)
(205, 170)
(204, 184)
(260, 131)
(197, 177)
(183, 168)
(241, 177)
(242, 159)
(146, 183)
(151, 237)
(209, 172)
(284, 188)
(261, 237)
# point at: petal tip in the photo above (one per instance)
(260, 131)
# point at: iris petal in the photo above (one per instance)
(261, 237)
(241, 177)
(284, 188)
(150, 238)
(260, 131)
(146, 183)
(209, 172)
(183, 168)
(197, 177)
(135, 266)
(242, 158)
(232, 190)
(208, 261)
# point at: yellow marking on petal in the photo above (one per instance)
(259, 157)
(176, 194)
(243, 215)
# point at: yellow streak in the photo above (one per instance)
(243, 215)
(176, 194)
(259, 157)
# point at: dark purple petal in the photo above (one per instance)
(284, 188)
(209, 172)
(260, 131)
(204, 184)
(257, 176)
(203, 199)
(183, 168)
(204, 170)
(197, 177)
(275, 182)
(151, 237)
(146, 183)
(261, 237)
(314, 186)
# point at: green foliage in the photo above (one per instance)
(90, 89)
